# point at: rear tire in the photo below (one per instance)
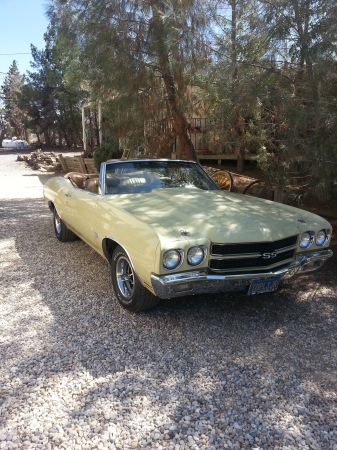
(130, 293)
(62, 232)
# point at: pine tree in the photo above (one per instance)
(142, 57)
(10, 90)
(305, 156)
(239, 42)
(52, 94)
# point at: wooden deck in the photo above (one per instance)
(222, 157)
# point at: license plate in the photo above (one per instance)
(264, 285)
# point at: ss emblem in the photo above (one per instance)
(269, 255)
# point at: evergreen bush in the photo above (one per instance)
(106, 152)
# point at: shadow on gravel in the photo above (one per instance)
(14, 152)
(222, 354)
(43, 177)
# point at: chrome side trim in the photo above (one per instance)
(200, 282)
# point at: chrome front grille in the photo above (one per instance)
(263, 256)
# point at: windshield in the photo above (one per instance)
(126, 177)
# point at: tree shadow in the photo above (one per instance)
(236, 362)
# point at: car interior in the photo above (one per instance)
(86, 181)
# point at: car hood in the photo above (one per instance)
(219, 215)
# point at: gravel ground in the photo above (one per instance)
(206, 372)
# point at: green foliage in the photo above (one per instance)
(299, 152)
(141, 57)
(10, 92)
(106, 152)
(51, 96)
(264, 73)
(279, 102)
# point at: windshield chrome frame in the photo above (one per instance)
(104, 165)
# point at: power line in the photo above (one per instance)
(12, 54)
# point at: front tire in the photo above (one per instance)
(130, 293)
(62, 232)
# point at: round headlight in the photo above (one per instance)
(172, 259)
(307, 239)
(322, 237)
(196, 255)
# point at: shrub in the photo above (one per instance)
(106, 152)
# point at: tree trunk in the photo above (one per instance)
(179, 118)
(235, 73)
(46, 136)
(2, 135)
(27, 135)
(238, 119)
(302, 19)
(240, 133)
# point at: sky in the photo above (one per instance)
(22, 22)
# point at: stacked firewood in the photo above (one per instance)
(42, 161)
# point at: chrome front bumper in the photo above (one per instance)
(199, 282)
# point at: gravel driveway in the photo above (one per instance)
(206, 372)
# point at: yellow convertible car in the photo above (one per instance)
(168, 230)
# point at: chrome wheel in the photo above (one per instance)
(57, 223)
(125, 277)
(130, 293)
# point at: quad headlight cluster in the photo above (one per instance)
(320, 239)
(173, 259)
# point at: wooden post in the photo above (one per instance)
(100, 132)
(83, 129)
(63, 163)
(278, 195)
(177, 148)
(240, 161)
